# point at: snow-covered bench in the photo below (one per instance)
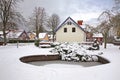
(45, 44)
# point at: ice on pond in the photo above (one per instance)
(64, 64)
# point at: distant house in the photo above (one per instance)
(31, 35)
(89, 36)
(51, 37)
(1, 39)
(43, 37)
(1, 33)
(19, 35)
(70, 31)
(98, 36)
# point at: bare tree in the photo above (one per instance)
(116, 17)
(116, 8)
(6, 10)
(105, 25)
(53, 22)
(90, 28)
(18, 20)
(116, 23)
(38, 20)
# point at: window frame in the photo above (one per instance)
(69, 23)
(65, 30)
(73, 29)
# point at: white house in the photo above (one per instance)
(70, 31)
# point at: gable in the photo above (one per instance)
(69, 21)
(42, 35)
(17, 34)
(24, 35)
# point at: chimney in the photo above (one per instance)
(80, 22)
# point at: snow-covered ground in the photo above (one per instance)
(11, 68)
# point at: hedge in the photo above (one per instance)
(21, 41)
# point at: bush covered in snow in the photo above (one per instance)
(74, 52)
(87, 58)
(55, 44)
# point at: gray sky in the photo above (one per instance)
(86, 10)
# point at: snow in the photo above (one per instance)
(14, 34)
(11, 68)
(97, 35)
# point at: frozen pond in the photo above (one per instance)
(64, 64)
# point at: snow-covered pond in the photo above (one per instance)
(64, 64)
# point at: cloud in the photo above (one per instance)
(77, 9)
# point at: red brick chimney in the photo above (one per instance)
(80, 22)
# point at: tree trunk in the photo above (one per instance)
(53, 35)
(4, 33)
(105, 40)
(37, 30)
(37, 33)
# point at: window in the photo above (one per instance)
(69, 23)
(73, 29)
(65, 29)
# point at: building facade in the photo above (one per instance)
(70, 31)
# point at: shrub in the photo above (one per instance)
(37, 43)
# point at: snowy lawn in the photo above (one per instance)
(11, 68)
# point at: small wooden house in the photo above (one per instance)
(31, 35)
(70, 31)
(43, 37)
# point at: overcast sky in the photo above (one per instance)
(86, 10)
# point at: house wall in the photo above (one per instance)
(32, 36)
(69, 36)
(46, 37)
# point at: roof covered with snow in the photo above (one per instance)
(14, 34)
(42, 35)
(97, 35)
(1, 32)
